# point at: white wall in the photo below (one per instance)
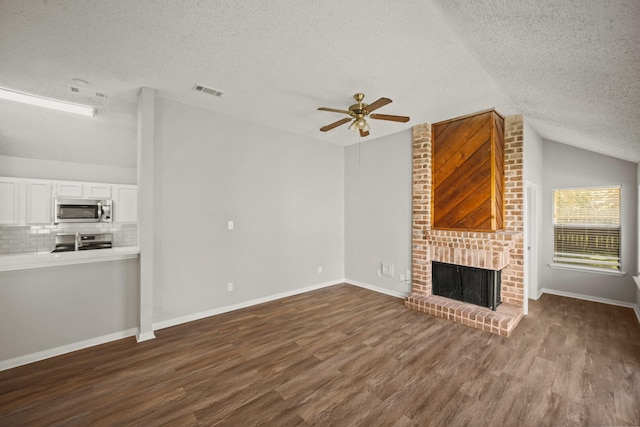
(284, 193)
(533, 155)
(533, 181)
(378, 211)
(45, 308)
(637, 272)
(23, 167)
(569, 167)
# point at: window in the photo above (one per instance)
(586, 227)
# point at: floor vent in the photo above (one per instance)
(208, 90)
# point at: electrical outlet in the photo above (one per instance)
(319, 269)
(229, 287)
(230, 225)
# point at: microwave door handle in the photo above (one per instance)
(99, 210)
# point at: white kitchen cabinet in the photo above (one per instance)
(125, 203)
(69, 189)
(97, 191)
(10, 200)
(38, 202)
(26, 201)
(82, 190)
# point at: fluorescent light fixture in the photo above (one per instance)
(11, 95)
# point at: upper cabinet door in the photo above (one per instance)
(10, 195)
(38, 202)
(97, 191)
(69, 189)
(125, 203)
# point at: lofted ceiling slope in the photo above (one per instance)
(571, 68)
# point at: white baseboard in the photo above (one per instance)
(208, 313)
(45, 354)
(145, 336)
(631, 305)
(378, 289)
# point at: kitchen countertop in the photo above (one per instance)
(47, 259)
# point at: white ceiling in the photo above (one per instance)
(572, 68)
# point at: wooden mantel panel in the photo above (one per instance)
(468, 173)
(498, 170)
(459, 139)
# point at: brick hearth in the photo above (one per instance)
(502, 250)
(501, 322)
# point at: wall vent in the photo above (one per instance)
(208, 90)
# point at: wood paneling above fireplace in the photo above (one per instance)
(468, 173)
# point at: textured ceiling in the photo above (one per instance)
(571, 67)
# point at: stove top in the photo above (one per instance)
(70, 242)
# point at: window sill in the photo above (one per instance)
(587, 269)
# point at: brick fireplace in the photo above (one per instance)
(502, 250)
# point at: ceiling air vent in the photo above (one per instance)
(208, 90)
(86, 91)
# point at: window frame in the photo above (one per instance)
(586, 268)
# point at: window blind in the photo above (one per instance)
(586, 226)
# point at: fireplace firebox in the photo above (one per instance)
(469, 284)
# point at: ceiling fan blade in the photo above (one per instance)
(392, 118)
(334, 110)
(335, 124)
(377, 104)
(364, 132)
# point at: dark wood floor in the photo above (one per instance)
(345, 356)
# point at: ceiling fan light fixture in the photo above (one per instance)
(359, 124)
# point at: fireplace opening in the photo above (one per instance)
(469, 284)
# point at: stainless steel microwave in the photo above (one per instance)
(82, 210)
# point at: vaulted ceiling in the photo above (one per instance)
(572, 68)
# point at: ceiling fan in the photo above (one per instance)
(359, 112)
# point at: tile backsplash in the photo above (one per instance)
(41, 238)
